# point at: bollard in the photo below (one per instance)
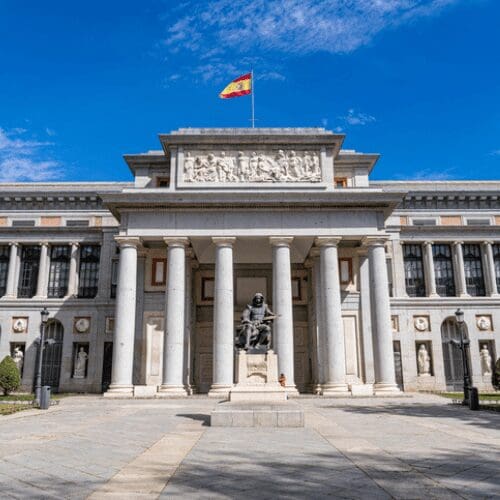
(474, 399)
(45, 397)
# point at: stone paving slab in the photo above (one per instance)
(413, 447)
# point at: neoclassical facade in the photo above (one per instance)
(145, 281)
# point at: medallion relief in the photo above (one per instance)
(252, 166)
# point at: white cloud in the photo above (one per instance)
(20, 158)
(428, 174)
(495, 152)
(353, 118)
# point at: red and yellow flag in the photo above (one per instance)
(241, 86)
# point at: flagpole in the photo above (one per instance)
(253, 103)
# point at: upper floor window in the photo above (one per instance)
(443, 269)
(4, 268)
(414, 270)
(28, 274)
(496, 258)
(60, 256)
(162, 182)
(89, 271)
(340, 182)
(473, 265)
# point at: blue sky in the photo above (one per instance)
(82, 83)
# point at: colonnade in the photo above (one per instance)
(329, 316)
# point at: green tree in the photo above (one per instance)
(10, 379)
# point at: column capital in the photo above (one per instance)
(327, 241)
(74, 243)
(428, 242)
(487, 243)
(280, 241)
(128, 241)
(14, 244)
(457, 243)
(44, 244)
(176, 241)
(375, 241)
(224, 241)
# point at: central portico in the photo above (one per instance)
(224, 213)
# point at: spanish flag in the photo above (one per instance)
(241, 86)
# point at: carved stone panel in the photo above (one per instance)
(251, 166)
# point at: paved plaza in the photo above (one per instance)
(411, 447)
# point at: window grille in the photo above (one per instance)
(424, 222)
(89, 271)
(114, 277)
(77, 223)
(28, 275)
(478, 222)
(443, 269)
(496, 259)
(60, 257)
(414, 270)
(4, 268)
(23, 223)
(474, 277)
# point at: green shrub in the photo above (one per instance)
(10, 379)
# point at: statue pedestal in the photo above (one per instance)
(257, 379)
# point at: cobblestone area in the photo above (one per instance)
(417, 447)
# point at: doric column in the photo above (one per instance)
(123, 340)
(491, 279)
(283, 308)
(319, 329)
(13, 270)
(223, 335)
(189, 321)
(385, 378)
(41, 286)
(460, 269)
(430, 275)
(366, 315)
(173, 345)
(332, 317)
(73, 270)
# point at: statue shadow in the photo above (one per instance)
(199, 417)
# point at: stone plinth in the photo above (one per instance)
(229, 414)
(257, 379)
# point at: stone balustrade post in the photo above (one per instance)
(43, 271)
(458, 259)
(430, 275)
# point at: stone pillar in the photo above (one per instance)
(430, 275)
(173, 345)
(43, 270)
(461, 284)
(12, 275)
(73, 270)
(223, 350)
(490, 277)
(366, 316)
(319, 328)
(399, 279)
(385, 377)
(332, 317)
(189, 321)
(123, 339)
(283, 308)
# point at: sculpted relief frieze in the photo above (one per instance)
(252, 166)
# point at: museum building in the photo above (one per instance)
(145, 281)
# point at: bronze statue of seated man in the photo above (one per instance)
(254, 331)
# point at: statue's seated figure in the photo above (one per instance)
(254, 331)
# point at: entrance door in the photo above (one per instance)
(398, 366)
(107, 363)
(452, 356)
(52, 354)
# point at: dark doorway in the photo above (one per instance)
(452, 357)
(107, 363)
(52, 354)
(398, 366)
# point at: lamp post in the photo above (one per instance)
(38, 385)
(463, 345)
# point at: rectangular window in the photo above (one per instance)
(162, 182)
(345, 266)
(496, 259)
(159, 272)
(28, 275)
(89, 271)
(60, 256)
(114, 278)
(340, 182)
(4, 268)
(443, 269)
(424, 222)
(414, 270)
(474, 277)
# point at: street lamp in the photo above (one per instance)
(463, 345)
(38, 386)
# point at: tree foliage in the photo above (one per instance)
(10, 380)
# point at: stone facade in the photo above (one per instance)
(145, 281)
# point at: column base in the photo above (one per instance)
(291, 391)
(382, 389)
(117, 391)
(335, 390)
(220, 391)
(171, 391)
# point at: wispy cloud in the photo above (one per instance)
(23, 159)
(228, 29)
(353, 118)
(495, 152)
(428, 174)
